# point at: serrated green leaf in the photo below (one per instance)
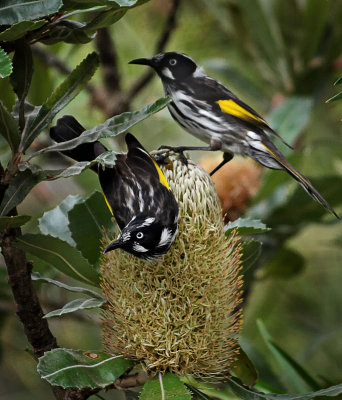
(17, 190)
(80, 369)
(289, 373)
(5, 64)
(35, 276)
(165, 387)
(14, 11)
(17, 31)
(244, 369)
(9, 128)
(246, 226)
(60, 255)
(87, 220)
(76, 305)
(21, 77)
(13, 221)
(246, 393)
(69, 88)
(112, 127)
(56, 223)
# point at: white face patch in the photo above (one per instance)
(137, 247)
(167, 73)
(165, 237)
(125, 236)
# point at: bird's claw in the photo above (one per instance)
(180, 150)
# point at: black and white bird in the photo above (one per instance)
(136, 192)
(208, 110)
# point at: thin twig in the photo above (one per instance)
(169, 27)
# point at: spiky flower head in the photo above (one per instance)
(180, 313)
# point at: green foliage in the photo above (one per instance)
(71, 86)
(87, 221)
(9, 128)
(56, 223)
(22, 76)
(80, 369)
(60, 255)
(14, 11)
(245, 393)
(18, 30)
(246, 226)
(13, 222)
(5, 64)
(337, 96)
(76, 305)
(112, 127)
(165, 387)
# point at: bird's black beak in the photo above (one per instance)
(144, 61)
(112, 246)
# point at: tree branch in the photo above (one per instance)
(169, 27)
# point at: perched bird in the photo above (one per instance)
(208, 110)
(136, 192)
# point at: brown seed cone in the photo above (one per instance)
(180, 313)
(236, 183)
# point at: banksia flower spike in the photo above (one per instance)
(180, 313)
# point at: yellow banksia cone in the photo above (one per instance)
(180, 313)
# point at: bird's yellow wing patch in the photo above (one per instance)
(162, 178)
(110, 208)
(232, 108)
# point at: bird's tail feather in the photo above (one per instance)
(301, 179)
(68, 128)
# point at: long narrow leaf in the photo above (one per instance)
(60, 255)
(80, 369)
(246, 393)
(112, 127)
(22, 76)
(71, 86)
(13, 221)
(17, 190)
(14, 11)
(35, 276)
(9, 128)
(76, 305)
(289, 372)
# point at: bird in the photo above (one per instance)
(211, 112)
(135, 190)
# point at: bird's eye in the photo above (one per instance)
(140, 235)
(173, 61)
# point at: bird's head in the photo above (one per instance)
(144, 237)
(170, 66)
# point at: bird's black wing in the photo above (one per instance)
(228, 104)
(136, 186)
